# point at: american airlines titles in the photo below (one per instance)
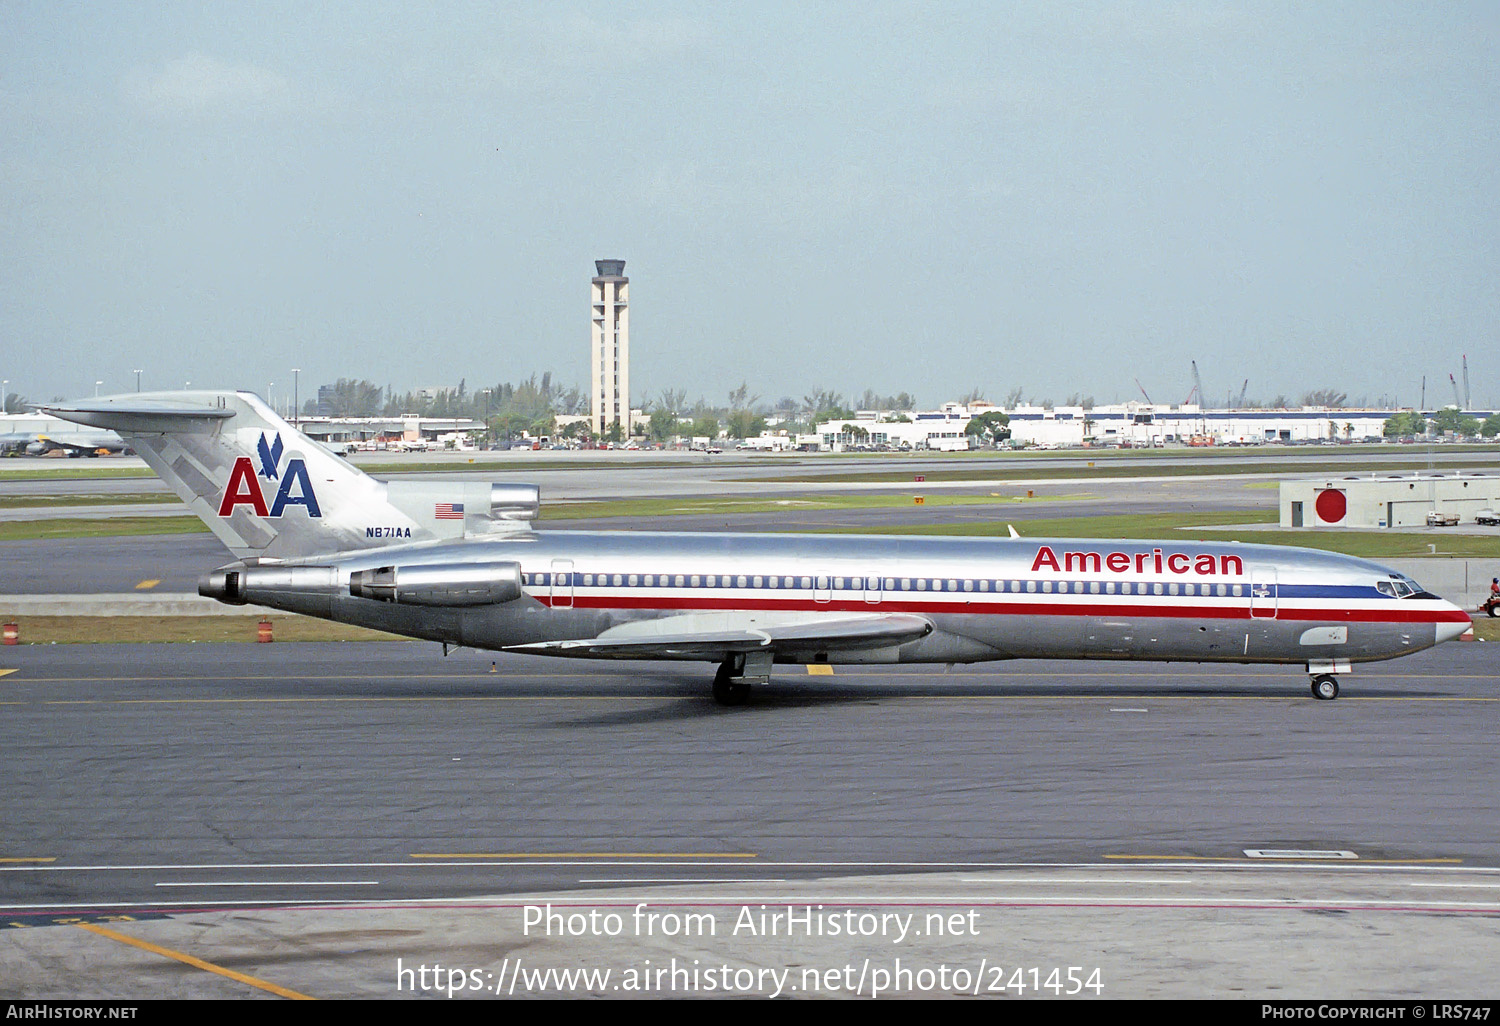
(1154, 561)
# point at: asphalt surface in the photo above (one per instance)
(114, 564)
(199, 792)
(348, 753)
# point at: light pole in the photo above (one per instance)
(296, 395)
(137, 380)
(96, 388)
(5, 396)
(486, 392)
(271, 396)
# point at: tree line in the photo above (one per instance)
(532, 407)
(1410, 424)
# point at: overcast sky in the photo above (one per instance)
(906, 197)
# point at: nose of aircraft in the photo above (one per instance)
(1455, 621)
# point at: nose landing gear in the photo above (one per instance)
(1325, 686)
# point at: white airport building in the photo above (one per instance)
(1146, 425)
(1130, 424)
(941, 429)
(1387, 500)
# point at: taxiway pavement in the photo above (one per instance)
(203, 796)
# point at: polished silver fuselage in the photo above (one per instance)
(986, 598)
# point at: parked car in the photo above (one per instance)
(1436, 519)
(1487, 517)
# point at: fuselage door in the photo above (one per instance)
(872, 589)
(1263, 592)
(822, 589)
(562, 584)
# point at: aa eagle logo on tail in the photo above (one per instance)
(244, 487)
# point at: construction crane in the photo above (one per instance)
(1202, 399)
(1456, 400)
(1143, 392)
(1467, 400)
(1239, 403)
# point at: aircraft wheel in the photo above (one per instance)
(1325, 687)
(727, 690)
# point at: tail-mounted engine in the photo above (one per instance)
(240, 583)
(435, 584)
(440, 584)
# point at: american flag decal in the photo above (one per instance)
(449, 511)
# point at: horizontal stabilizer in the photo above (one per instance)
(713, 635)
(150, 415)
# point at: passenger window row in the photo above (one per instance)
(886, 584)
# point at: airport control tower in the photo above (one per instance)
(609, 400)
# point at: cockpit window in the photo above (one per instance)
(1400, 587)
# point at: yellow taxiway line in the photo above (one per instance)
(196, 963)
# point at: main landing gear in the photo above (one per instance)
(1325, 686)
(737, 673)
(729, 689)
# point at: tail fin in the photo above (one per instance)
(267, 490)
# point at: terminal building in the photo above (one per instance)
(405, 428)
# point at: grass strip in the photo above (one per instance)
(376, 468)
(1123, 470)
(72, 472)
(689, 506)
(103, 527)
(80, 499)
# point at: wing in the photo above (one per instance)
(716, 635)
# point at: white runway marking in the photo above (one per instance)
(679, 880)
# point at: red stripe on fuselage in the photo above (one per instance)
(1394, 615)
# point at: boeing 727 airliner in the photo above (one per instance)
(459, 562)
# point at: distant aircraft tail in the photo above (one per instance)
(267, 490)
